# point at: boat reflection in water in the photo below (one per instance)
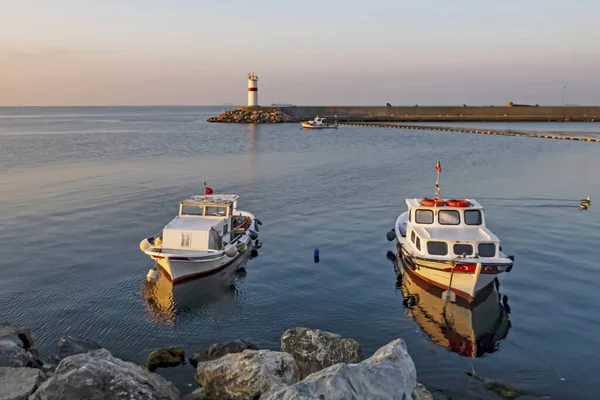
(469, 329)
(166, 302)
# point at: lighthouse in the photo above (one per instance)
(252, 90)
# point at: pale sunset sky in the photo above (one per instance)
(193, 52)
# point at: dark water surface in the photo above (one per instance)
(82, 186)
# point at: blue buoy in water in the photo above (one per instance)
(316, 254)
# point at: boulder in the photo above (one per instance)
(246, 375)
(219, 350)
(314, 349)
(19, 383)
(388, 375)
(71, 345)
(17, 347)
(167, 357)
(421, 393)
(99, 375)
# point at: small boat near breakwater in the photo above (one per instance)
(446, 243)
(318, 123)
(207, 235)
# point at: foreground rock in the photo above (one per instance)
(388, 375)
(17, 347)
(219, 350)
(252, 117)
(99, 375)
(163, 358)
(246, 375)
(19, 383)
(71, 345)
(314, 349)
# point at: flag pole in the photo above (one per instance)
(205, 190)
(437, 181)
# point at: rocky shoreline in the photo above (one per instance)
(311, 364)
(252, 117)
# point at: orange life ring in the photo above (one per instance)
(431, 202)
(458, 203)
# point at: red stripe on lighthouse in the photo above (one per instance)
(252, 89)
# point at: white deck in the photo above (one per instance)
(193, 223)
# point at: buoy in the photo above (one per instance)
(254, 252)
(316, 254)
(152, 274)
(390, 235)
(258, 221)
(145, 244)
(253, 234)
(230, 250)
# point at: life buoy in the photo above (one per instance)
(432, 202)
(458, 203)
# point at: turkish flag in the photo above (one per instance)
(438, 167)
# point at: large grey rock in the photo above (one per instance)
(163, 358)
(314, 349)
(17, 347)
(19, 383)
(388, 375)
(421, 393)
(218, 350)
(246, 375)
(99, 375)
(71, 345)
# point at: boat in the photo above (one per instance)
(318, 123)
(446, 243)
(468, 329)
(207, 235)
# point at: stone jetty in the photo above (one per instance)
(311, 364)
(258, 116)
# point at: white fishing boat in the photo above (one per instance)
(446, 243)
(208, 235)
(318, 123)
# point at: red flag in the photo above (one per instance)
(208, 190)
(438, 167)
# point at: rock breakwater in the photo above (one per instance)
(252, 117)
(311, 364)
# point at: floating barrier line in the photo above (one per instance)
(480, 132)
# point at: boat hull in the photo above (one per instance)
(180, 271)
(310, 126)
(464, 285)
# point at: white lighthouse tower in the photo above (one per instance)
(252, 89)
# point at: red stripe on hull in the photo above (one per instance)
(252, 89)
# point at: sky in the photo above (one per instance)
(327, 52)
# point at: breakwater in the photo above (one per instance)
(578, 136)
(509, 112)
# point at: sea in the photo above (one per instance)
(81, 187)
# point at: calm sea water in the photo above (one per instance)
(82, 186)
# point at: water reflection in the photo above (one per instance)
(166, 302)
(469, 329)
(251, 156)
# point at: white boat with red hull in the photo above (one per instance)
(446, 243)
(208, 235)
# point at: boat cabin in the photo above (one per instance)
(449, 228)
(204, 223)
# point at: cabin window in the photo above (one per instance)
(487, 249)
(192, 210)
(449, 217)
(225, 229)
(472, 217)
(409, 214)
(424, 217)
(215, 212)
(460, 249)
(419, 244)
(412, 236)
(437, 248)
